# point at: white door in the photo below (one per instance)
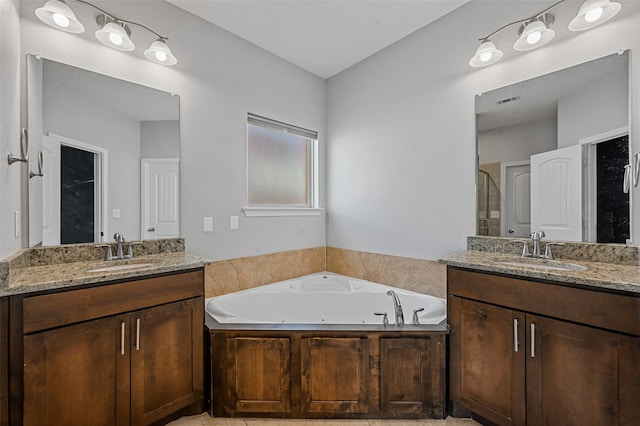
(160, 198)
(516, 199)
(556, 193)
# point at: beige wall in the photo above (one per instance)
(423, 276)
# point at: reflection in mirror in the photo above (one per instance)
(110, 157)
(552, 153)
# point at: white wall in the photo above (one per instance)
(219, 78)
(11, 196)
(401, 125)
(581, 114)
(518, 142)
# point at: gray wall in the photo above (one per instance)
(401, 162)
(158, 139)
(219, 78)
(518, 142)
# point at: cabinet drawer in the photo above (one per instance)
(68, 307)
(610, 311)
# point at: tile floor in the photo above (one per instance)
(205, 420)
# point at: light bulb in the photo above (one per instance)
(594, 14)
(161, 56)
(115, 39)
(60, 20)
(534, 37)
(485, 56)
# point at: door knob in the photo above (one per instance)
(511, 230)
(151, 230)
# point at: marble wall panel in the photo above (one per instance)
(227, 276)
(423, 276)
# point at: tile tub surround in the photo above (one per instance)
(228, 276)
(422, 276)
(620, 254)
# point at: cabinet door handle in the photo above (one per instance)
(138, 334)
(533, 340)
(516, 340)
(122, 339)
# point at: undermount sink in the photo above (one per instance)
(545, 264)
(120, 267)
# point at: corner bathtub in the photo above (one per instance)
(312, 347)
(322, 298)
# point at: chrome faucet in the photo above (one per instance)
(397, 307)
(120, 240)
(536, 237)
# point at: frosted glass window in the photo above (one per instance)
(280, 164)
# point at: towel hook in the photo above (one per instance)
(24, 149)
(40, 161)
(636, 168)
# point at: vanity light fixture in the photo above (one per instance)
(486, 54)
(58, 14)
(593, 13)
(113, 32)
(536, 31)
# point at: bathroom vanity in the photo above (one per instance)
(535, 346)
(98, 342)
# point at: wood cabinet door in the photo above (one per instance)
(572, 374)
(78, 374)
(166, 359)
(487, 362)
(258, 375)
(334, 375)
(412, 376)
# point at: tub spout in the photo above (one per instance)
(397, 307)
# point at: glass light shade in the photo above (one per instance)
(593, 13)
(57, 14)
(114, 35)
(486, 54)
(535, 34)
(160, 53)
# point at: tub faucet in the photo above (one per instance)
(397, 307)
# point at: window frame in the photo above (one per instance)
(312, 207)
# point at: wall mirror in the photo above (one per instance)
(109, 151)
(554, 154)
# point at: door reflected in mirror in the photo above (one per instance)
(552, 154)
(111, 153)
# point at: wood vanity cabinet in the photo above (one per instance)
(116, 354)
(539, 353)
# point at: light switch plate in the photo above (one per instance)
(115, 213)
(17, 224)
(495, 214)
(207, 224)
(233, 223)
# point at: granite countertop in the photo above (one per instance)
(600, 275)
(62, 275)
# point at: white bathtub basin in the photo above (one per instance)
(322, 298)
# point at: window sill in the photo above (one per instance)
(281, 211)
